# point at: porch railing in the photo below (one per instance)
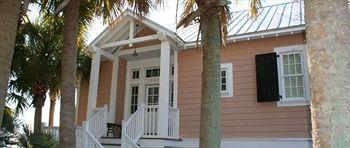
(151, 121)
(55, 132)
(132, 129)
(92, 130)
(173, 123)
(95, 128)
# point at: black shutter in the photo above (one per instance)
(267, 77)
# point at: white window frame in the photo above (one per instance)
(132, 74)
(131, 97)
(293, 101)
(229, 80)
(151, 68)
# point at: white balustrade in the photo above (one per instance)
(92, 130)
(132, 129)
(151, 121)
(173, 124)
(54, 131)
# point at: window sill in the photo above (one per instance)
(285, 103)
(226, 95)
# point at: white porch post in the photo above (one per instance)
(114, 85)
(93, 85)
(164, 88)
(176, 78)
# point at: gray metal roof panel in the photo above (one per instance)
(270, 18)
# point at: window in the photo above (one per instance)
(153, 95)
(172, 70)
(134, 98)
(226, 80)
(135, 74)
(223, 80)
(152, 72)
(293, 76)
(171, 101)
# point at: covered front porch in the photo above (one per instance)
(150, 97)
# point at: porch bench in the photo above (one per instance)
(111, 129)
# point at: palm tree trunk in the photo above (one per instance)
(211, 94)
(52, 111)
(39, 103)
(69, 65)
(328, 41)
(9, 13)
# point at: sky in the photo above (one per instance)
(164, 16)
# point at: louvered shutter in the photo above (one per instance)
(267, 77)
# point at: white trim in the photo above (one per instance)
(131, 41)
(114, 88)
(229, 80)
(127, 99)
(294, 101)
(176, 77)
(164, 80)
(93, 84)
(232, 143)
(106, 54)
(105, 35)
(257, 35)
(142, 81)
(140, 50)
(131, 31)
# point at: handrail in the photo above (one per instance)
(94, 141)
(95, 128)
(92, 130)
(132, 128)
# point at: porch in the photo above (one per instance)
(150, 97)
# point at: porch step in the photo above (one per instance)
(111, 142)
(111, 146)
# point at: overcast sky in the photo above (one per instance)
(164, 16)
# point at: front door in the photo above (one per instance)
(152, 110)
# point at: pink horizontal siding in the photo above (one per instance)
(242, 116)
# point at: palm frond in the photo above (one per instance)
(254, 8)
(20, 101)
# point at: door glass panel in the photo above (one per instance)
(153, 95)
(134, 98)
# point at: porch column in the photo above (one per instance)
(164, 88)
(114, 85)
(93, 85)
(176, 78)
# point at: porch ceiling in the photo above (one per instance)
(142, 53)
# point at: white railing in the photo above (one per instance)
(88, 140)
(94, 128)
(173, 123)
(79, 136)
(54, 131)
(132, 129)
(151, 121)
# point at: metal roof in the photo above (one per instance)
(274, 17)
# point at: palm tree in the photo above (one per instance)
(328, 39)
(9, 14)
(36, 63)
(212, 16)
(75, 12)
(54, 95)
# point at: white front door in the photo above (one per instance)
(152, 110)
